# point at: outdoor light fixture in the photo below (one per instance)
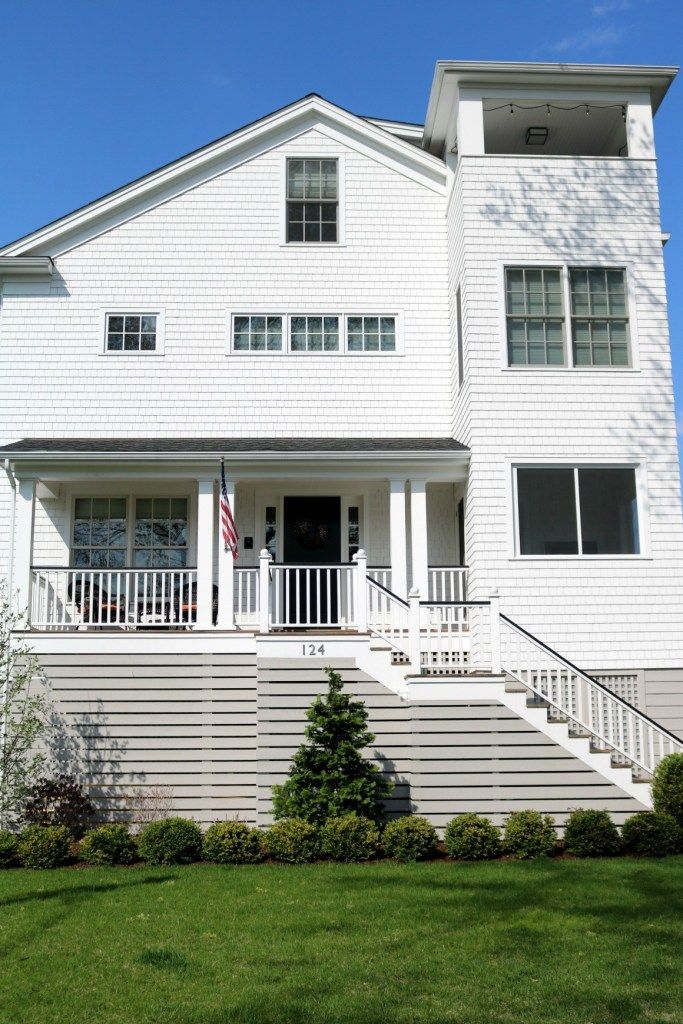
(537, 136)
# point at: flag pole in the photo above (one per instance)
(225, 542)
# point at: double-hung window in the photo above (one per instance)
(577, 510)
(549, 310)
(600, 333)
(534, 316)
(312, 200)
(161, 534)
(99, 533)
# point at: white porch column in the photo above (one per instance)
(226, 570)
(205, 530)
(418, 536)
(23, 545)
(397, 537)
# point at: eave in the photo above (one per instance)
(26, 266)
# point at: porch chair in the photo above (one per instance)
(92, 600)
(185, 604)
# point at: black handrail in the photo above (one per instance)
(390, 593)
(591, 679)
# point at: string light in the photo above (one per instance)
(588, 113)
(512, 109)
(586, 107)
(547, 109)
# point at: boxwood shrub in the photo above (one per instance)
(108, 844)
(9, 845)
(529, 834)
(471, 837)
(667, 786)
(349, 837)
(233, 842)
(591, 834)
(44, 846)
(293, 840)
(171, 841)
(410, 838)
(652, 834)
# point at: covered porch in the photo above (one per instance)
(126, 535)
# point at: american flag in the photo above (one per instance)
(230, 534)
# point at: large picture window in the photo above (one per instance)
(577, 510)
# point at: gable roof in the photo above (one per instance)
(230, 150)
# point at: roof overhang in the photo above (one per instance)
(80, 459)
(450, 76)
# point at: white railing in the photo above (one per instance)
(314, 595)
(446, 631)
(447, 583)
(380, 574)
(388, 616)
(587, 704)
(246, 596)
(125, 598)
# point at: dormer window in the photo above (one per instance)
(312, 200)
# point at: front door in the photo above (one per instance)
(312, 536)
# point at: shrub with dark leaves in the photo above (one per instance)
(667, 786)
(652, 834)
(591, 833)
(59, 801)
(108, 844)
(171, 841)
(8, 848)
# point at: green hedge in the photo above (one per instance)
(108, 844)
(349, 837)
(529, 834)
(44, 846)
(591, 834)
(409, 838)
(171, 841)
(233, 842)
(471, 837)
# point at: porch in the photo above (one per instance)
(328, 539)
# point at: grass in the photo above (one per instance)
(572, 942)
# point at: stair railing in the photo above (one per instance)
(582, 700)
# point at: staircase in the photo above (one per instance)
(470, 650)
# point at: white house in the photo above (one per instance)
(435, 360)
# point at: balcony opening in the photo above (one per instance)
(556, 128)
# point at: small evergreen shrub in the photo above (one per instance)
(409, 838)
(471, 837)
(171, 841)
(233, 842)
(108, 844)
(591, 834)
(44, 846)
(652, 834)
(349, 838)
(529, 834)
(59, 801)
(329, 777)
(293, 840)
(667, 786)
(9, 845)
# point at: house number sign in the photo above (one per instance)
(313, 649)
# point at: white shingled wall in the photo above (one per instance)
(600, 612)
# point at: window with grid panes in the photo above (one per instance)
(371, 334)
(599, 315)
(535, 316)
(99, 533)
(160, 539)
(314, 334)
(312, 200)
(131, 332)
(257, 333)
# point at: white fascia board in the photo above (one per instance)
(26, 266)
(450, 75)
(216, 158)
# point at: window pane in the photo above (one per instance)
(295, 179)
(116, 324)
(329, 179)
(131, 342)
(546, 512)
(609, 511)
(132, 324)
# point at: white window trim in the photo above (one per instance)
(247, 310)
(642, 506)
(564, 266)
(341, 201)
(131, 311)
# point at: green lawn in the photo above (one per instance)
(553, 941)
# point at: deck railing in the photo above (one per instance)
(310, 596)
(125, 598)
(246, 596)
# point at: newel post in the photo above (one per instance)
(414, 631)
(495, 631)
(361, 590)
(264, 590)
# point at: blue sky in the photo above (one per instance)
(98, 92)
